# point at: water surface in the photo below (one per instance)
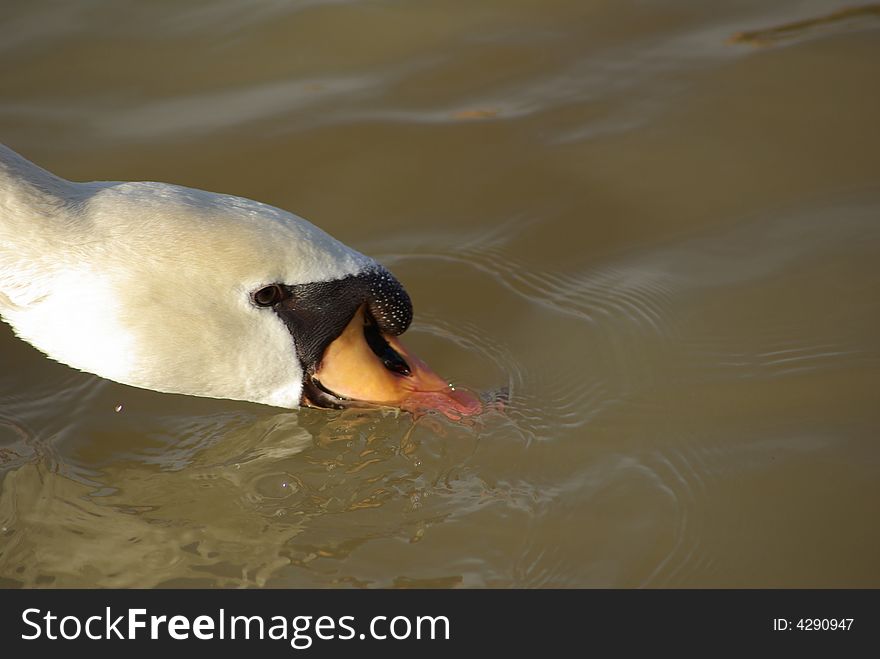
(657, 224)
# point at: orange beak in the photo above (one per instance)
(366, 366)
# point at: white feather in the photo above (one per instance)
(148, 283)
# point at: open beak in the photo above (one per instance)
(365, 365)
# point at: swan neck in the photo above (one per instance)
(29, 192)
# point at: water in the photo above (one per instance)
(661, 237)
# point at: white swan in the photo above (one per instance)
(185, 291)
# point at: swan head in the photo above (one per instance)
(185, 291)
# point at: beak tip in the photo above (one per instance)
(455, 404)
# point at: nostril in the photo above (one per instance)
(391, 359)
(394, 362)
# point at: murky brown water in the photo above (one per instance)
(664, 241)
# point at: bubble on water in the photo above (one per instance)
(275, 486)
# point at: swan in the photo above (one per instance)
(185, 291)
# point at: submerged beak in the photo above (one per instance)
(366, 365)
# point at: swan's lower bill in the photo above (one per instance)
(364, 365)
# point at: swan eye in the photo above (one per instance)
(269, 296)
